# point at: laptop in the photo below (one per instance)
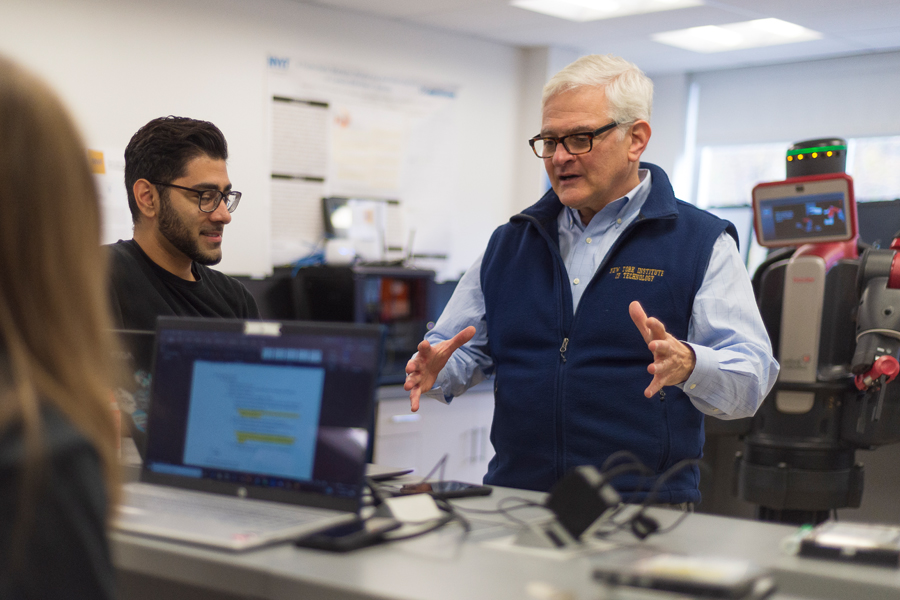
(256, 432)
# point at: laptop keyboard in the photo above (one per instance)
(245, 514)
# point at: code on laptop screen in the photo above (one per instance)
(290, 411)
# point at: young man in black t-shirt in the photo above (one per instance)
(180, 199)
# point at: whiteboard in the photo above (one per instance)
(342, 132)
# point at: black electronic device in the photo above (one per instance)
(580, 498)
(395, 297)
(350, 536)
(446, 489)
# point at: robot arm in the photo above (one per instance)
(875, 362)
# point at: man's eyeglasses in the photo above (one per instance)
(208, 200)
(575, 143)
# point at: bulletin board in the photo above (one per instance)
(341, 132)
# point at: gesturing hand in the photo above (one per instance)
(673, 361)
(422, 371)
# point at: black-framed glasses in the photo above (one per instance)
(575, 143)
(208, 200)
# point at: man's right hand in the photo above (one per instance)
(423, 369)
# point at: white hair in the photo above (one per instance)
(629, 93)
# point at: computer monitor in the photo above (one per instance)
(362, 221)
(805, 210)
(879, 222)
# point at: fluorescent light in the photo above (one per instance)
(737, 36)
(591, 10)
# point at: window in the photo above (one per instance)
(728, 173)
(874, 164)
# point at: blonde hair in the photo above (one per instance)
(54, 327)
(629, 93)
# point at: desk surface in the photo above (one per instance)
(447, 565)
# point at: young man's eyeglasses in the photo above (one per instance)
(208, 200)
(575, 143)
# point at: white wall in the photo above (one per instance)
(845, 97)
(119, 63)
(667, 123)
(530, 174)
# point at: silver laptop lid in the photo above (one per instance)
(277, 411)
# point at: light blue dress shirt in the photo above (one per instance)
(735, 369)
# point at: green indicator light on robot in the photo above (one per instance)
(800, 151)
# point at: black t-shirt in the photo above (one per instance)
(140, 290)
(65, 554)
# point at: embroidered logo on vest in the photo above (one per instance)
(636, 273)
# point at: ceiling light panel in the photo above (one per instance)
(593, 10)
(737, 36)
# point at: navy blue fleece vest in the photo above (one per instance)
(558, 409)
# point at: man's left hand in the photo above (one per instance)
(673, 361)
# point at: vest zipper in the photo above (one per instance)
(560, 458)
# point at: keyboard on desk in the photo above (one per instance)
(215, 520)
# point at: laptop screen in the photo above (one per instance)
(276, 411)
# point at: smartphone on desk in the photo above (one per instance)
(349, 536)
(445, 489)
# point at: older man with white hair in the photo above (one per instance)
(556, 307)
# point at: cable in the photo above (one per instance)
(375, 492)
(640, 523)
(451, 515)
(316, 256)
(506, 512)
(668, 474)
(628, 467)
(440, 464)
(615, 456)
(634, 464)
(675, 524)
(464, 522)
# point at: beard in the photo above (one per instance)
(173, 228)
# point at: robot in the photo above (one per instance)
(833, 316)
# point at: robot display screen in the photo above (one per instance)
(811, 212)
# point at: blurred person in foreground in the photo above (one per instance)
(58, 468)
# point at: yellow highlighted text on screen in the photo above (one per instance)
(266, 438)
(250, 413)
